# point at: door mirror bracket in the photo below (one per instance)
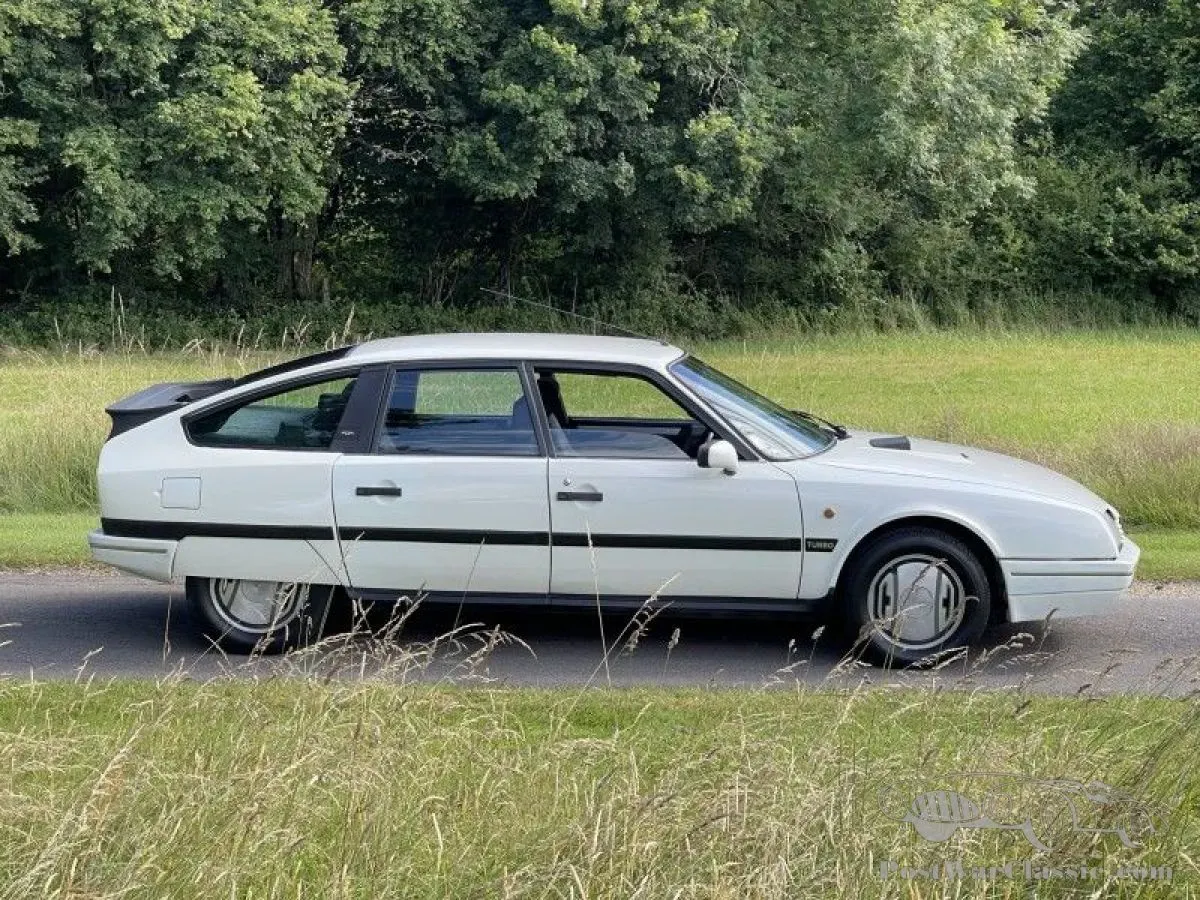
(717, 454)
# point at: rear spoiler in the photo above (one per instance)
(158, 400)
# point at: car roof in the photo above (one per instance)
(501, 345)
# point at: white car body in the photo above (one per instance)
(774, 535)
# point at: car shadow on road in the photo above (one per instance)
(145, 631)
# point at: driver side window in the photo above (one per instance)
(616, 396)
(615, 415)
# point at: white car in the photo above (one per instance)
(553, 470)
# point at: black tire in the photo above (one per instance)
(294, 615)
(945, 606)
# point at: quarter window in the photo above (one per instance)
(460, 412)
(297, 418)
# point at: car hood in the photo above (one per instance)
(951, 462)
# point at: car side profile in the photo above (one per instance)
(555, 470)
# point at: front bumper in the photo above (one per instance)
(1067, 587)
(138, 556)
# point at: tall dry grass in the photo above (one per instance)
(336, 775)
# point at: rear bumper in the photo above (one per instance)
(1067, 587)
(138, 556)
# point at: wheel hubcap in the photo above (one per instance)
(916, 602)
(257, 606)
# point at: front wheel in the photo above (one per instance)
(268, 616)
(916, 592)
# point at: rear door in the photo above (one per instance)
(452, 496)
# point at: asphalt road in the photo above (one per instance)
(79, 624)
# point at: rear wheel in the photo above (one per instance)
(268, 616)
(916, 592)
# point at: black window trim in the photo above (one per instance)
(689, 404)
(461, 365)
(292, 365)
(365, 443)
(247, 397)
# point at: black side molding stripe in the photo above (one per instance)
(176, 531)
(446, 536)
(678, 542)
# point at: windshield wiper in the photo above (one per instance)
(839, 431)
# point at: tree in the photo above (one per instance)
(151, 137)
(1122, 178)
(899, 122)
(565, 141)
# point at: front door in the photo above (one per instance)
(633, 515)
(453, 497)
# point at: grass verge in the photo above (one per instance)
(1169, 555)
(36, 540)
(358, 789)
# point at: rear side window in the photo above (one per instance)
(460, 412)
(296, 418)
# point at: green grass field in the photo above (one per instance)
(1116, 410)
(300, 788)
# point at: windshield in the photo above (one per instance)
(773, 431)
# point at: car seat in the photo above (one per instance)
(552, 401)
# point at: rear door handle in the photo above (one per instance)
(364, 490)
(590, 496)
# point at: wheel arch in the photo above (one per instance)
(969, 535)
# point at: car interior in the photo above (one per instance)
(295, 419)
(614, 436)
(489, 415)
(475, 420)
(413, 426)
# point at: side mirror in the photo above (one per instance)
(718, 455)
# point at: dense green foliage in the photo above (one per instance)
(1118, 174)
(614, 155)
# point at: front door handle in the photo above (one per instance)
(364, 490)
(590, 496)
